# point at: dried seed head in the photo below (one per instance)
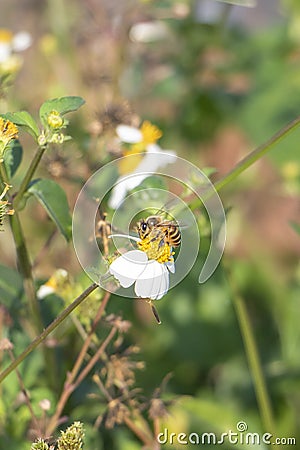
(5, 344)
(116, 413)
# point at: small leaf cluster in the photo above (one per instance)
(52, 119)
(48, 193)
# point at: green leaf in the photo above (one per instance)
(53, 198)
(13, 157)
(62, 105)
(11, 286)
(24, 120)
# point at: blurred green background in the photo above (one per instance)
(218, 79)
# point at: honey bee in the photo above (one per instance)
(156, 228)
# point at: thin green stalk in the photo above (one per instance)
(28, 176)
(25, 268)
(262, 396)
(246, 162)
(56, 322)
(257, 154)
(3, 174)
(24, 264)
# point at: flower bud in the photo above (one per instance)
(55, 120)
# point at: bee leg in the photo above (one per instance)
(154, 310)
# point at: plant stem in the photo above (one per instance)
(59, 319)
(257, 154)
(70, 386)
(24, 266)
(23, 261)
(88, 340)
(263, 400)
(26, 397)
(28, 175)
(246, 162)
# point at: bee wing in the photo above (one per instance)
(172, 223)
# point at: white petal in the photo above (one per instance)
(171, 266)
(164, 287)
(127, 268)
(153, 159)
(120, 190)
(5, 51)
(128, 134)
(21, 41)
(44, 291)
(153, 283)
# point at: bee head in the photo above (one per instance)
(143, 225)
(152, 221)
(141, 228)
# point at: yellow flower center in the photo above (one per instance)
(153, 249)
(8, 131)
(150, 132)
(5, 36)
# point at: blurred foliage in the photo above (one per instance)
(216, 88)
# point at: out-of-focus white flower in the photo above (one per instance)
(153, 160)
(150, 278)
(56, 283)
(45, 404)
(147, 32)
(142, 140)
(128, 134)
(10, 43)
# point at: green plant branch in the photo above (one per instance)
(256, 154)
(23, 261)
(25, 394)
(71, 384)
(88, 340)
(28, 175)
(24, 266)
(70, 387)
(248, 161)
(262, 396)
(59, 319)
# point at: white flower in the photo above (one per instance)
(151, 278)
(44, 290)
(128, 134)
(10, 43)
(54, 284)
(146, 32)
(153, 159)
